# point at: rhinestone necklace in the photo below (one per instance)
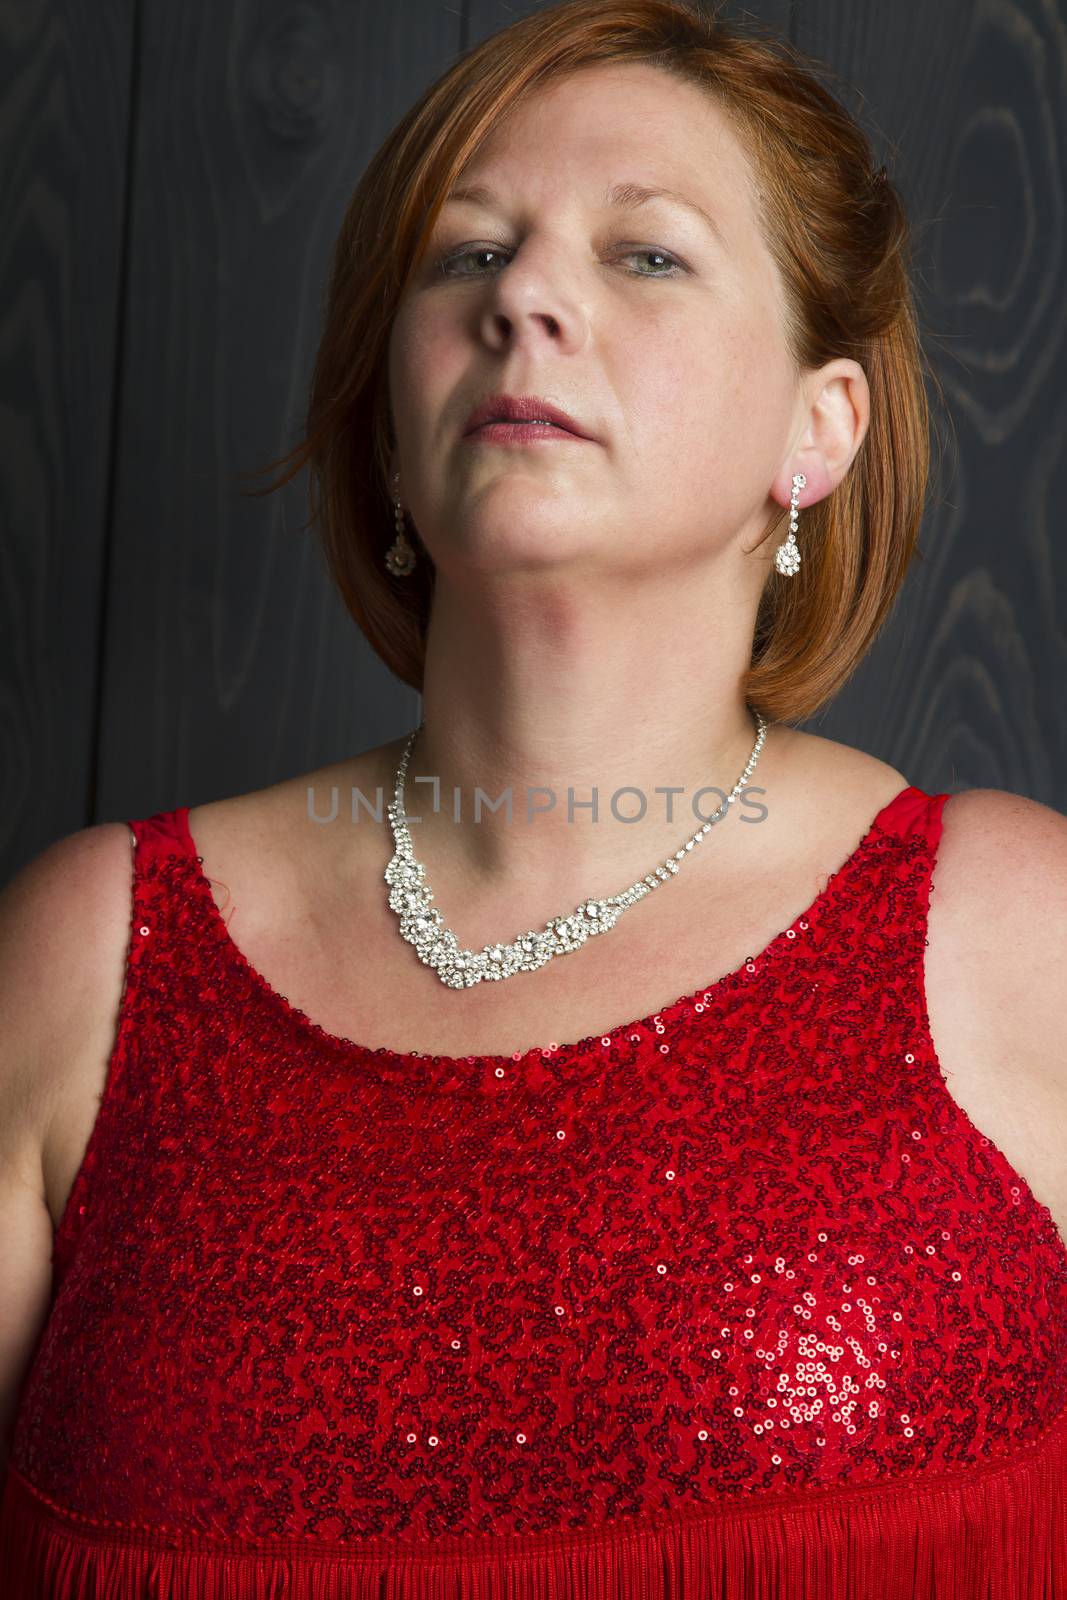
(422, 925)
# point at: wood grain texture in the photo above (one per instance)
(231, 663)
(967, 101)
(66, 137)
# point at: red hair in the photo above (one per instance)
(838, 234)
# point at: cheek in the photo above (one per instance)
(424, 358)
(709, 402)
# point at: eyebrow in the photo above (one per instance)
(619, 197)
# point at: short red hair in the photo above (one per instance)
(837, 231)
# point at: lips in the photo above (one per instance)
(522, 408)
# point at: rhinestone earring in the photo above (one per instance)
(787, 556)
(400, 557)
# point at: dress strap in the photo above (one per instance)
(154, 924)
(919, 821)
(915, 819)
(915, 814)
(161, 834)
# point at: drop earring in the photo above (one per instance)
(400, 557)
(787, 556)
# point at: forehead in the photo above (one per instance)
(580, 134)
(624, 196)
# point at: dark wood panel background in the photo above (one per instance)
(172, 183)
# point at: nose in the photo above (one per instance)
(526, 303)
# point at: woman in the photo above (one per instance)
(386, 1254)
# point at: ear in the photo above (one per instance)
(835, 423)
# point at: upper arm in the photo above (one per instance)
(63, 929)
(997, 977)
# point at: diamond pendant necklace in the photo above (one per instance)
(422, 925)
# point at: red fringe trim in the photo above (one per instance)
(987, 1533)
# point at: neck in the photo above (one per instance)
(551, 700)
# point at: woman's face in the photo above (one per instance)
(661, 335)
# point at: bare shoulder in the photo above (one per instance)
(997, 932)
(64, 924)
(64, 929)
(832, 756)
(834, 781)
(1002, 865)
(996, 815)
(257, 811)
(268, 853)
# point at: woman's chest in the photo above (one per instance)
(689, 949)
(367, 985)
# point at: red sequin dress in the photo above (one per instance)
(732, 1301)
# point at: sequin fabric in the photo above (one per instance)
(746, 1247)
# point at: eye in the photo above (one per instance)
(448, 265)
